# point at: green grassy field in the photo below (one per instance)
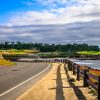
(89, 52)
(15, 51)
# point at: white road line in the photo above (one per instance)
(23, 82)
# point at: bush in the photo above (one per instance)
(72, 79)
(93, 91)
(4, 62)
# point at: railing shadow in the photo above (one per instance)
(76, 89)
(59, 89)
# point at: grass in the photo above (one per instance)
(15, 51)
(93, 91)
(89, 52)
(4, 62)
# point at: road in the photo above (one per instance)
(17, 79)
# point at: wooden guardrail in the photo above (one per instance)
(51, 60)
(43, 60)
(91, 77)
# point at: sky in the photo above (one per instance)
(50, 21)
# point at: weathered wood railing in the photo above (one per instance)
(51, 60)
(91, 77)
(43, 60)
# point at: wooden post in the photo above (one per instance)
(70, 65)
(98, 88)
(66, 61)
(85, 83)
(65, 66)
(74, 69)
(78, 73)
(66, 69)
(62, 60)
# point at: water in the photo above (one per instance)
(95, 64)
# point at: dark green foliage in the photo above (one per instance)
(71, 48)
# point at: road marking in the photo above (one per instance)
(24, 82)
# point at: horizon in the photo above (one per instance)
(50, 21)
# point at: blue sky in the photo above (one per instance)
(9, 6)
(51, 21)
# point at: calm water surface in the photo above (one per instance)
(90, 63)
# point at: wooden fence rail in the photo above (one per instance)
(91, 77)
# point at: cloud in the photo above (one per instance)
(83, 12)
(78, 32)
(64, 21)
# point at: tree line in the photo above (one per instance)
(44, 47)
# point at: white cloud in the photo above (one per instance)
(79, 32)
(25, 34)
(86, 11)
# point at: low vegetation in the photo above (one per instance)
(4, 62)
(16, 51)
(6, 56)
(57, 54)
(89, 52)
(72, 79)
(14, 54)
(93, 91)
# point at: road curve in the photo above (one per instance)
(16, 80)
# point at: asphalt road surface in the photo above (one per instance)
(17, 79)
